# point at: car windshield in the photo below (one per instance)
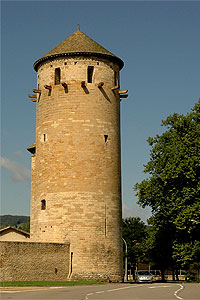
(143, 273)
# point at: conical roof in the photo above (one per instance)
(78, 44)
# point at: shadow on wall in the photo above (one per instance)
(104, 94)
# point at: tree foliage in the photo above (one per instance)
(25, 226)
(173, 190)
(134, 233)
(10, 220)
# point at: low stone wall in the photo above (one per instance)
(21, 261)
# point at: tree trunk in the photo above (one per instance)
(177, 275)
(173, 274)
(163, 274)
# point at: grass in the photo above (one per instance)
(48, 283)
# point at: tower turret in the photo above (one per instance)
(76, 167)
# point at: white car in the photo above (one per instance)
(143, 276)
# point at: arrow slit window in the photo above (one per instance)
(116, 78)
(90, 74)
(57, 76)
(106, 138)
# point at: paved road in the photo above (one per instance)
(168, 291)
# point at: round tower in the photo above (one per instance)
(76, 167)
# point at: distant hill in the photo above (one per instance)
(13, 220)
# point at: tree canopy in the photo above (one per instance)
(134, 233)
(172, 190)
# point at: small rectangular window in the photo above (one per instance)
(43, 204)
(57, 76)
(90, 74)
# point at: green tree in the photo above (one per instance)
(134, 233)
(173, 190)
(25, 226)
(159, 244)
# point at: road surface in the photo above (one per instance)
(167, 291)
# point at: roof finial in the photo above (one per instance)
(78, 27)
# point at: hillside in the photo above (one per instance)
(13, 220)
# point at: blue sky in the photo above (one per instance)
(159, 43)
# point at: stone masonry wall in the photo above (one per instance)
(21, 261)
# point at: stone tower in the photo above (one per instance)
(76, 168)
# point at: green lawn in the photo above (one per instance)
(48, 283)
